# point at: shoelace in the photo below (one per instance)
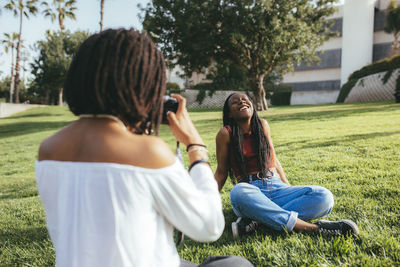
(251, 226)
(330, 232)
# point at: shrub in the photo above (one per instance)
(279, 94)
(203, 88)
(281, 98)
(379, 66)
(173, 88)
(397, 93)
(387, 76)
(345, 90)
(388, 65)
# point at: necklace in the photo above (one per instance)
(105, 116)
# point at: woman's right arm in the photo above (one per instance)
(191, 203)
(184, 131)
(222, 142)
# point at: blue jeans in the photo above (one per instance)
(277, 205)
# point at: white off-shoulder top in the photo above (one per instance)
(108, 214)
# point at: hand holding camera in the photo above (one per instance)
(170, 105)
(179, 121)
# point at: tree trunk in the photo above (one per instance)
(60, 22)
(60, 96)
(395, 45)
(101, 14)
(47, 100)
(17, 66)
(259, 92)
(12, 81)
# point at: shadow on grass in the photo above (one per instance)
(26, 236)
(308, 115)
(345, 139)
(227, 239)
(18, 191)
(34, 115)
(324, 115)
(22, 128)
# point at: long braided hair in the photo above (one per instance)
(118, 72)
(258, 137)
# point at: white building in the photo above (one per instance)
(361, 42)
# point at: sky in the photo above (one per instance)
(117, 13)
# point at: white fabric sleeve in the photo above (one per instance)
(191, 203)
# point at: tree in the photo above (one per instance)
(20, 8)
(61, 10)
(51, 65)
(9, 42)
(5, 84)
(393, 25)
(101, 14)
(257, 36)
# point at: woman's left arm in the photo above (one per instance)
(278, 165)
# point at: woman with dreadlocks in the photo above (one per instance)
(262, 193)
(112, 193)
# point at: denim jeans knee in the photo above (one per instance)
(239, 194)
(249, 201)
(326, 200)
(317, 203)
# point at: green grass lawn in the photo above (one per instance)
(352, 149)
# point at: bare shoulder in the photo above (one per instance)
(150, 152)
(265, 125)
(53, 144)
(223, 135)
(91, 144)
(45, 149)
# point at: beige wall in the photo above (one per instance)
(312, 75)
(313, 97)
(383, 37)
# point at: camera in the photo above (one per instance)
(170, 104)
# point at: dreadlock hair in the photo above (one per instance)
(118, 72)
(258, 137)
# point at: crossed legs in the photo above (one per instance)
(279, 206)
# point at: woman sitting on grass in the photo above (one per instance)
(111, 192)
(263, 194)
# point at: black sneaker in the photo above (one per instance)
(243, 226)
(338, 228)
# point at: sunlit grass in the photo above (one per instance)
(352, 149)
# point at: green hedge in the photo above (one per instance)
(398, 84)
(279, 94)
(173, 88)
(345, 90)
(388, 64)
(379, 66)
(281, 98)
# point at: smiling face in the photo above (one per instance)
(240, 107)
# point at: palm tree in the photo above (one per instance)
(101, 14)
(61, 10)
(21, 8)
(393, 25)
(9, 42)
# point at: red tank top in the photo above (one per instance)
(249, 154)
